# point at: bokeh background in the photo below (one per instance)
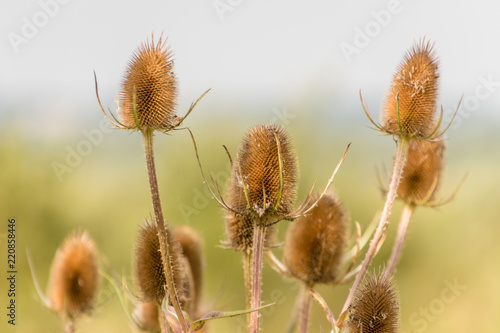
(299, 64)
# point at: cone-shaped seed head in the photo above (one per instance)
(191, 245)
(316, 243)
(74, 276)
(239, 231)
(150, 75)
(422, 171)
(149, 265)
(375, 307)
(260, 172)
(147, 315)
(416, 82)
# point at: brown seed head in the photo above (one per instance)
(422, 171)
(191, 244)
(147, 315)
(149, 265)
(239, 231)
(260, 172)
(316, 243)
(416, 82)
(73, 281)
(375, 307)
(151, 77)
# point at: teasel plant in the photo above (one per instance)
(147, 104)
(73, 281)
(409, 115)
(261, 192)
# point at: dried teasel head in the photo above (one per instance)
(413, 94)
(74, 281)
(149, 266)
(151, 79)
(146, 315)
(192, 249)
(316, 243)
(375, 307)
(422, 171)
(259, 172)
(239, 231)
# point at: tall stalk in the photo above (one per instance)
(257, 255)
(305, 309)
(397, 249)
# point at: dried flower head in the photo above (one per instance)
(416, 84)
(316, 243)
(239, 231)
(146, 314)
(149, 265)
(191, 245)
(151, 78)
(73, 281)
(422, 171)
(375, 307)
(258, 169)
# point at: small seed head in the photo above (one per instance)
(316, 243)
(151, 78)
(416, 82)
(375, 307)
(146, 313)
(422, 171)
(260, 172)
(73, 281)
(239, 231)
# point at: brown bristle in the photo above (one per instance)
(146, 313)
(260, 172)
(375, 307)
(422, 171)
(149, 265)
(416, 82)
(150, 75)
(73, 281)
(316, 243)
(239, 231)
(191, 245)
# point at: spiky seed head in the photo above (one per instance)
(239, 232)
(375, 307)
(74, 278)
(260, 172)
(316, 243)
(416, 82)
(146, 313)
(422, 171)
(149, 265)
(151, 77)
(191, 245)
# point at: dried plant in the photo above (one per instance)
(146, 315)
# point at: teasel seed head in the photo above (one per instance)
(415, 83)
(422, 172)
(74, 277)
(146, 313)
(192, 250)
(316, 243)
(149, 266)
(375, 307)
(258, 168)
(239, 232)
(151, 78)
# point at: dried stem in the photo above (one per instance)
(403, 145)
(257, 255)
(397, 249)
(305, 309)
(247, 272)
(160, 226)
(69, 326)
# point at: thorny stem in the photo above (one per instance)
(305, 308)
(376, 242)
(397, 249)
(247, 272)
(257, 255)
(160, 227)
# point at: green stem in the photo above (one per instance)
(257, 254)
(378, 237)
(160, 227)
(397, 249)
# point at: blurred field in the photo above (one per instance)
(108, 195)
